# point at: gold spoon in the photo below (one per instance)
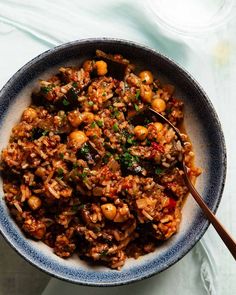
(225, 236)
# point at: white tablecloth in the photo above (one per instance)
(28, 28)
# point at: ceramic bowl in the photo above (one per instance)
(202, 125)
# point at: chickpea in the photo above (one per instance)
(159, 105)
(140, 132)
(146, 77)
(29, 115)
(146, 93)
(123, 214)
(158, 126)
(78, 138)
(75, 118)
(41, 172)
(87, 117)
(109, 211)
(88, 65)
(34, 202)
(101, 67)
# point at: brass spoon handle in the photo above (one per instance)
(225, 236)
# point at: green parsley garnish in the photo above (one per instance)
(38, 132)
(47, 89)
(91, 103)
(93, 125)
(129, 160)
(75, 165)
(137, 94)
(60, 172)
(72, 94)
(61, 155)
(45, 132)
(158, 171)
(116, 113)
(146, 121)
(84, 150)
(65, 102)
(100, 123)
(136, 107)
(74, 84)
(131, 141)
(83, 175)
(116, 127)
(106, 157)
(104, 93)
(116, 157)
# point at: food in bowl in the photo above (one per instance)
(81, 175)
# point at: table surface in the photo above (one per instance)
(215, 69)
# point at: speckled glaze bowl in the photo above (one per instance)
(202, 125)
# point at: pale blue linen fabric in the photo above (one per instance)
(27, 28)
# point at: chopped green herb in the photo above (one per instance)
(75, 165)
(93, 125)
(116, 127)
(100, 123)
(158, 170)
(137, 94)
(37, 133)
(91, 103)
(45, 132)
(136, 107)
(61, 155)
(116, 113)
(74, 84)
(72, 94)
(116, 157)
(60, 172)
(84, 150)
(47, 89)
(83, 175)
(129, 160)
(104, 93)
(130, 141)
(65, 102)
(144, 81)
(106, 157)
(146, 121)
(103, 253)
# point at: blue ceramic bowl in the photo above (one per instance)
(202, 125)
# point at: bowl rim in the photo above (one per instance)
(187, 75)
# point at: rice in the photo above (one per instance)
(82, 177)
